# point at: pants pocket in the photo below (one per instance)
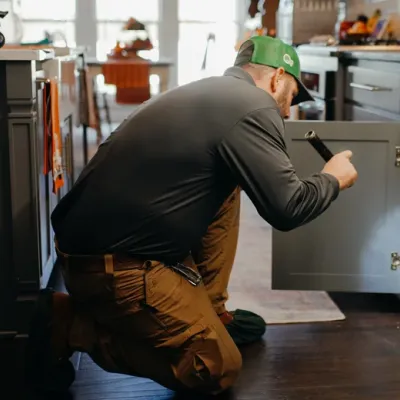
(174, 302)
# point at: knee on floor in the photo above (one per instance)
(211, 368)
(226, 376)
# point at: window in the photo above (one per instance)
(197, 21)
(63, 32)
(111, 17)
(47, 10)
(122, 10)
(192, 47)
(96, 24)
(207, 10)
(107, 35)
(39, 16)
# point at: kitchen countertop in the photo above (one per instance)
(384, 53)
(91, 61)
(26, 55)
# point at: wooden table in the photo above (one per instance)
(159, 68)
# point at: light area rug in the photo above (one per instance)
(250, 284)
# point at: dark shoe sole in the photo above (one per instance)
(42, 372)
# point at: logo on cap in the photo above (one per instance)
(288, 60)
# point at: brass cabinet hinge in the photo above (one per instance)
(397, 162)
(395, 261)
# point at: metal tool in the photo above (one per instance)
(192, 276)
(319, 145)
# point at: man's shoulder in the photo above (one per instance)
(232, 96)
(225, 91)
(213, 105)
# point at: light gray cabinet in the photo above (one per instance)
(375, 88)
(350, 246)
(371, 90)
(356, 113)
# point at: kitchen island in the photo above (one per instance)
(27, 198)
(354, 246)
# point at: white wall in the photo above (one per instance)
(10, 24)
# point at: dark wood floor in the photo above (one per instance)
(354, 359)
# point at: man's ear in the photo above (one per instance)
(276, 78)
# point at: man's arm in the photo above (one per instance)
(255, 152)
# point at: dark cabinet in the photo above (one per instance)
(27, 254)
(47, 200)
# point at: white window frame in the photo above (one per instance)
(168, 29)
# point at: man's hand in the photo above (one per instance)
(342, 169)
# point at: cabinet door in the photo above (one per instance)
(46, 200)
(350, 246)
(356, 113)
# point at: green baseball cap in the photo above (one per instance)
(266, 50)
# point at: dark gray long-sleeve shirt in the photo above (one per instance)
(155, 185)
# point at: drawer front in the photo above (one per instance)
(355, 113)
(373, 88)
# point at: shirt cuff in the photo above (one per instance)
(335, 185)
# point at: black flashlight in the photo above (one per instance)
(318, 145)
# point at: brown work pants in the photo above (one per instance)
(151, 322)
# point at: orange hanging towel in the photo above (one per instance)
(56, 139)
